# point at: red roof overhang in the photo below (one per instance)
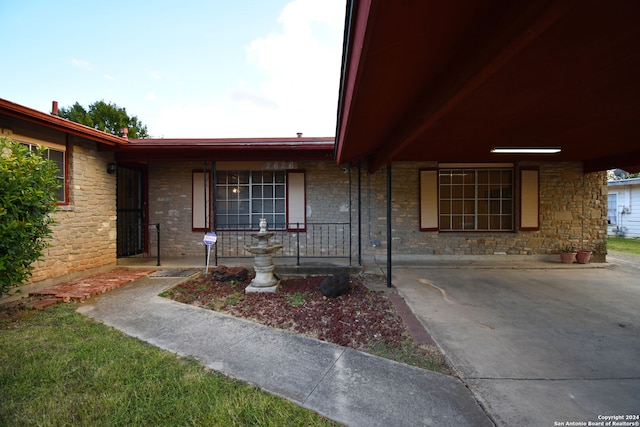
(448, 80)
(50, 121)
(228, 149)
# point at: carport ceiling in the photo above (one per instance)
(449, 80)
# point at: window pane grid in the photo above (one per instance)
(57, 157)
(244, 197)
(476, 199)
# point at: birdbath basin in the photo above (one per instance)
(266, 280)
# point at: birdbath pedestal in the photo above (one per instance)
(265, 280)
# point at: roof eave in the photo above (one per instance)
(54, 122)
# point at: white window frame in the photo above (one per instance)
(612, 219)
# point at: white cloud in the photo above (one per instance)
(151, 96)
(300, 67)
(297, 87)
(252, 98)
(108, 77)
(85, 65)
(154, 74)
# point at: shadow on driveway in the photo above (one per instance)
(537, 346)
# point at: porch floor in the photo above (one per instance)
(283, 265)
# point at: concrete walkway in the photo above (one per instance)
(350, 387)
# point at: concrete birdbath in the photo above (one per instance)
(265, 280)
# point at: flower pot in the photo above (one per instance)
(583, 257)
(568, 257)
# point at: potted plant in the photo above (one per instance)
(583, 256)
(568, 255)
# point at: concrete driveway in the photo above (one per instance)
(537, 346)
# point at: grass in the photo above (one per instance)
(425, 357)
(59, 368)
(621, 244)
(296, 299)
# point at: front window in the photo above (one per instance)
(612, 209)
(243, 197)
(475, 199)
(58, 157)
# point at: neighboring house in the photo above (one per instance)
(624, 207)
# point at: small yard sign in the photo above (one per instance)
(210, 238)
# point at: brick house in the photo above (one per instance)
(84, 238)
(418, 167)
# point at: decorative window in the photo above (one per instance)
(57, 155)
(475, 199)
(243, 197)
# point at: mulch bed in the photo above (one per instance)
(355, 319)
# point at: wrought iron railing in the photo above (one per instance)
(132, 237)
(314, 240)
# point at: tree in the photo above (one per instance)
(615, 174)
(107, 117)
(28, 186)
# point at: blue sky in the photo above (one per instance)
(190, 69)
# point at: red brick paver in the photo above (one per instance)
(417, 331)
(86, 287)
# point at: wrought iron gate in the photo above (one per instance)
(132, 231)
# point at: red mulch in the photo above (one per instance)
(355, 319)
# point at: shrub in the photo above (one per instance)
(28, 187)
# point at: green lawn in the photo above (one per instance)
(626, 245)
(59, 368)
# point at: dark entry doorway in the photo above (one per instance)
(131, 221)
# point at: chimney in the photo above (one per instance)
(125, 132)
(54, 108)
(299, 134)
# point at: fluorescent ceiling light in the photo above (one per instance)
(526, 150)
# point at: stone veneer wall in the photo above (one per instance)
(573, 211)
(84, 237)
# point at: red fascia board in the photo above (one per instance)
(226, 149)
(54, 122)
(229, 144)
(177, 154)
(159, 142)
(355, 29)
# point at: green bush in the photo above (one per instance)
(28, 187)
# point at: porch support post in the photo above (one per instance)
(212, 224)
(204, 178)
(350, 213)
(359, 213)
(389, 226)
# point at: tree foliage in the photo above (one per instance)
(107, 117)
(616, 174)
(28, 186)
